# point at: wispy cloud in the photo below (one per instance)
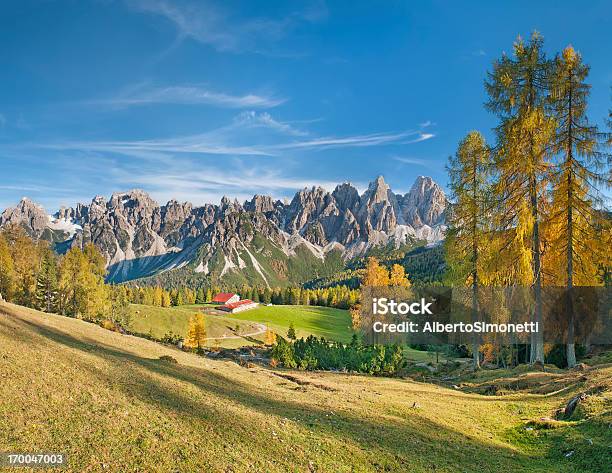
(2, 120)
(355, 141)
(214, 24)
(230, 140)
(141, 94)
(406, 160)
(265, 120)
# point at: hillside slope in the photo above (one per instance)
(108, 402)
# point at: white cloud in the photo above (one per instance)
(265, 120)
(214, 24)
(235, 140)
(356, 141)
(421, 137)
(189, 95)
(407, 160)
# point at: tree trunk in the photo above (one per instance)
(537, 349)
(570, 349)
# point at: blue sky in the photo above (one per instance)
(195, 100)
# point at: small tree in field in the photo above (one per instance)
(196, 334)
(270, 338)
(291, 332)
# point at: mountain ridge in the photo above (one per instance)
(260, 237)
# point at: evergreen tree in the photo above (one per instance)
(267, 296)
(576, 241)
(517, 90)
(47, 286)
(200, 296)
(291, 332)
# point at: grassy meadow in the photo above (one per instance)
(325, 322)
(110, 404)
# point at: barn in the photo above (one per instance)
(238, 306)
(225, 298)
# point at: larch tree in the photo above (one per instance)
(577, 246)
(398, 277)
(375, 274)
(467, 234)
(26, 261)
(517, 90)
(7, 270)
(196, 333)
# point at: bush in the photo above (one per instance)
(168, 359)
(109, 325)
(171, 338)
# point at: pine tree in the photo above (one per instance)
(517, 90)
(267, 296)
(200, 296)
(467, 233)
(577, 245)
(291, 332)
(47, 286)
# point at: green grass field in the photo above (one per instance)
(325, 322)
(110, 404)
(333, 324)
(158, 321)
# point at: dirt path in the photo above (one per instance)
(261, 328)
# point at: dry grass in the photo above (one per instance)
(107, 401)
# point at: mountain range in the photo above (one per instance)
(261, 241)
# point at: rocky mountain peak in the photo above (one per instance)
(259, 203)
(346, 196)
(425, 203)
(135, 205)
(30, 215)
(378, 191)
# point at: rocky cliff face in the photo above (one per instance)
(27, 214)
(138, 237)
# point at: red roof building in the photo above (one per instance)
(225, 297)
(238, 306)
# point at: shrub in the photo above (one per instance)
(168, 359)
